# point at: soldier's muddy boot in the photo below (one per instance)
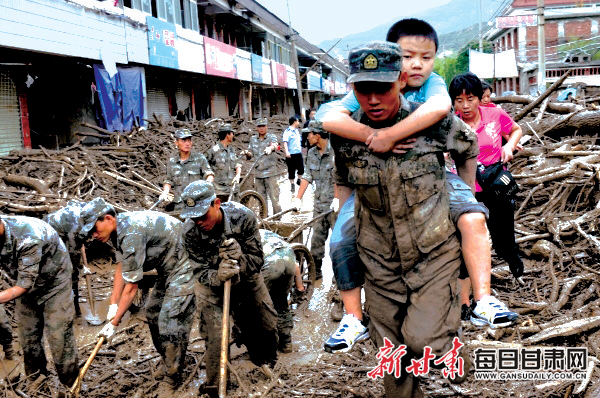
(171, 362)
(285, 344)
(160, 372)
(9, 352)
(337, 311)
(318, 265)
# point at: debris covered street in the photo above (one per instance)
(557, 298)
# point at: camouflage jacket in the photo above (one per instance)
(223, 162)
(180, 174)
(34, 255)
(402, 211)
(278, 255)
(267, 164)
(319, 169)
(239, 223)
(147, 240)
(67, 223)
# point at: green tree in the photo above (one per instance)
(448, 67)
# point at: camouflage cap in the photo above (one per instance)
(316, 127)
(225, 127)
(183, 133)
(91, 212)
(197, 198)
(262, 121)
(376, 61)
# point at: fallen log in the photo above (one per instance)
(545, 94)
(28, 182)
(555, 107)
(566, 329)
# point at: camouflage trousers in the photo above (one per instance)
(253, 313)
(5, 328)
(279, 271)
(267, 187)
(54, 317)
(429, 316)
(170, 322)
(320, 232)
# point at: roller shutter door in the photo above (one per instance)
(11, 136)
(157, 102)
(219, 104)
(183, 98)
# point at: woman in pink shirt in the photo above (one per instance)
(491, 125)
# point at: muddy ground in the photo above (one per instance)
(557, 298)
(123, 368)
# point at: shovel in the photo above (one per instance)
(224, 341)
(90, 318)
(156, 204)
(77, 384)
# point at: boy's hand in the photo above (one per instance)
(379, 141)
(404, 145)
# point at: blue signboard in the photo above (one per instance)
(257, 67)
(162, 37)
(314, 81)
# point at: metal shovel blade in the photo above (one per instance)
(92, 319)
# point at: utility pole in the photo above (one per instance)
(541, 47)
(296, 67)
(480, 31)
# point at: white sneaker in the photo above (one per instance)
(492, 312)
(349, 332)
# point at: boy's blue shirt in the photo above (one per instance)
(434, 85)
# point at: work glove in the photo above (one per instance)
(230, 250)
(166, 197)
(227, 270)
(112, 311)
(246, 153)
(87, 271)
(335, 205)
(108, 330)
(268, 150)
(236, 179)
(297, 203)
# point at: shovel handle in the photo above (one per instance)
(77, 384)
(156, 204)
(88, 282)
(224, 340)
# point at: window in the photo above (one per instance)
(189, 14)
(142, 5)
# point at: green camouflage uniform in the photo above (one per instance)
(181, 173)
(5, 329)
(265, 171)
(405, 236)
(67, 222)
(279, 271)
(251, 305)
(35, 256)
(319, 169)
(147, 240)
(223, 162)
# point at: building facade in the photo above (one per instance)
(119, 63)
(571, 41)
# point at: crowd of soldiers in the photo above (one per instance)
(219, 240)
(406, 241)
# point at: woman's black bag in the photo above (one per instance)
(495, 179)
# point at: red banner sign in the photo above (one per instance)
(220, 58)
